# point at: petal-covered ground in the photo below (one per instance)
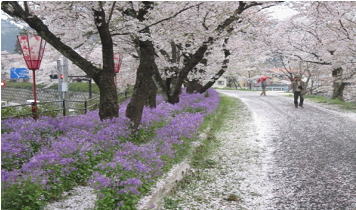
(274, 156)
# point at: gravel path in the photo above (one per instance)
(279, 157)
(80, 198)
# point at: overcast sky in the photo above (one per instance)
(281, 12)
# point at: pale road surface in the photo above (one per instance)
(274, 156)
(313, 151)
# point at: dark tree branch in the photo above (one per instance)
(174, 52)
(311, 53)
(129, 11)
(195, 58)
(105, 37)
(317, 37)
(147, 5)
(165, 54)
(204, 21)
(286, 71)
(121, 34)
(253, 4)
(111, 12)
(159, 82)
(27, 10)
(315, 62)
(268, 6)
(235, 16)
(221, 71)
(101, 5)
(171, 17)
(346, 31)
(232, 18)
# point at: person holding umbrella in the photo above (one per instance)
(299, 89)
(263, 84)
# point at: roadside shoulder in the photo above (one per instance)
(333, 109)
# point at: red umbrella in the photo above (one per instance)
(263, 78)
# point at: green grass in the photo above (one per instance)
(212, 124)
(342, 104)
(22, 85)
(225, 88)
(75, 86)
(239, 89)
(83, 87)
(200, 156)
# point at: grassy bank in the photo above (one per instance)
(213, 123)
(75, 86)
(342, 104)
(22, 85)
(200, 159)
(239, 89)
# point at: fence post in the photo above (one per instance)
(90, 89)
(85, 106)
(64, 107)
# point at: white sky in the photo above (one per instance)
(281, 12)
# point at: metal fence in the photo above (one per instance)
(51, 108)
(18, 95)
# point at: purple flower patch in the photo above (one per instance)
(48, 150)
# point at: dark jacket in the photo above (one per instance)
(299, 86)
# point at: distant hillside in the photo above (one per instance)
(9, 31)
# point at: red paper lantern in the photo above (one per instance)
(117, 62)
(32, 47)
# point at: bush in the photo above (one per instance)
(30, 196)
(46, 109)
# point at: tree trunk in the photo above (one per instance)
(152, 94)
(176, 85)
(236, 84)
(338, 84)
(193, 86)
(108, 107)
(173, 98)
(144, 80)
(338, 90)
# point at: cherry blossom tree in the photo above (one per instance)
(332, 26)
(52, 28)
(318, 40)
(188, 47)
(144, 16)
(78, 29)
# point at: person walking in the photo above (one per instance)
(299, 90)
(263, 81)
(263, 86)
